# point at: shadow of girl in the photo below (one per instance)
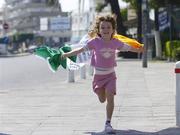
(167, 131)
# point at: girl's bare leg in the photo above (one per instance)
(110, 105)
(101, 95)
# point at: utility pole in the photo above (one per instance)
(146, 30)
(139, 12)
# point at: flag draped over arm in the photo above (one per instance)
(52, 56)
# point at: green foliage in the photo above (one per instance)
(52, 2)
(172, 49)
(17, 38)
(153, 3)
(133, 3)
(124, 14)
(157, 3)
(100, 7)
(177, 54)
(163, 3)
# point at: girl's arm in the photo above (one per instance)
(138, 50)
(72, 53)
(126, 48)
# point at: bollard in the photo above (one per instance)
(177, 71)
(91, 70)
(70, 76)
(83, 71)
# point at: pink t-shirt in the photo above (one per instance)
(103, 54)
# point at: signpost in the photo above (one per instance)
(145, 30)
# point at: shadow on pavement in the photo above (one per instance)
(4, 134)
(168, 131)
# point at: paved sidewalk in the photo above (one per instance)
(14, 55)
(144, 105)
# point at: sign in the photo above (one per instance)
(60, 23)
(4, 40)
(43, 24)
(163, 20)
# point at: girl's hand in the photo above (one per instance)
(137, 50)
(63, 56)
(141, 50)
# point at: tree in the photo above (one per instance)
(115, 9)
(124, 14)
(163, 3)
(53, 3)
(156, 5)
(136, 4)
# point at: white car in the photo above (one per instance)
(31, 48)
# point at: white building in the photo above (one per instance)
(23, 16)
(56, 29)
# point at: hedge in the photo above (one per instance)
(172, 50)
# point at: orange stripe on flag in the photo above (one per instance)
(132, 42)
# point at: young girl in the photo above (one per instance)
(103, 48)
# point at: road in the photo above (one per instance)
(27, 71)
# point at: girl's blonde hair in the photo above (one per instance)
(95, 29)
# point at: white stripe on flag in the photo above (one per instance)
(74, 66)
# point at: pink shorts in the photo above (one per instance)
(105, 82)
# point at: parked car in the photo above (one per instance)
(32, 48)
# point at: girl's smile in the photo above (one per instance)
(106, 30)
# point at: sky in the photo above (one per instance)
(1, 3)
(69, 5)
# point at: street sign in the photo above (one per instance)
(163, 20)
(5, 26)
(60, 23)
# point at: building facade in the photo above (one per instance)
(1, 22)
(24, 16)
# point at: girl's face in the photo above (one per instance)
(106, 30)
